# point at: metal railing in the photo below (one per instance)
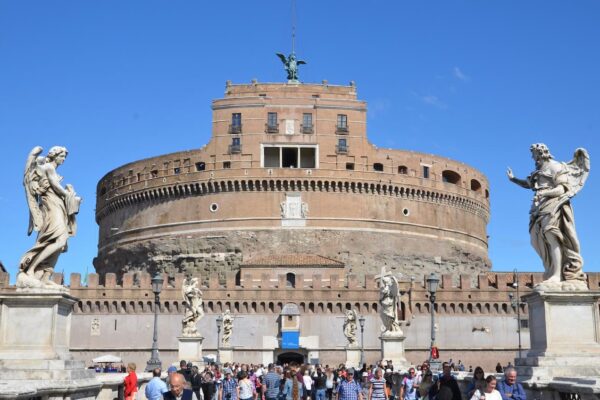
(235, 148)
(235, 129)
(341, 130)
(306, 129)
(339, 149)
(272, 128)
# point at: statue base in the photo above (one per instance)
(35, 331)
(353, 357)
(225, 355)
(564, 334)
(190, 349)
(392, 348)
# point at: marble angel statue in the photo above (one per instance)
(350, 327)
(52, 211)
(194, 311)
(227, 328)
(551, 223)
(389, 300)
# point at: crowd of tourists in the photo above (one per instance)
(321, 382)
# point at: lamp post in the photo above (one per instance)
(432, 286)
(219, 325)
(361, 320)
(154, 362)
(516, 305)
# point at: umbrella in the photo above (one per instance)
(107, 358)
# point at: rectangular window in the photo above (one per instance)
(307, 157)
(350, 166)
(272, 119)
(235, 141)
(271, 157)
(200, 166)
(235, 146)
(342, 146)
(342, 122)
(289, 157)
(425, 172)
(226, 164)
(236, 119)
(307, 124)
(177, 170)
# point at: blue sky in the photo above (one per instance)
(117, 81)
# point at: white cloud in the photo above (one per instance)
(434, 101)
(458, 74)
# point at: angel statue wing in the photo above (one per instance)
(578, 171)
(300, 62)
(283, 58)
(30, 181)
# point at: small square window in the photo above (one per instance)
(235, 141)
(350, 166)
(200, 166)
(177, 170)
(227, 164)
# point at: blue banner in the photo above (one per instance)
(290, 340)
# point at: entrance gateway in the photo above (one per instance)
(287, 357)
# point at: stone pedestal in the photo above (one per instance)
(225, 355)
(565, 336)
(353, 357)
(392, 348)
(190, 349)
(35, 331)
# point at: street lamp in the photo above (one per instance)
(361, 320)
(432, 286)
(516, 305)
(157, 282)
(219, 325)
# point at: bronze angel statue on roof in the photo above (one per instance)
(552, 223)
(52, 211)
(291, 66)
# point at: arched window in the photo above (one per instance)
(378, 167)
(403, 169)
(290, 280)
(475, 185)
(449, 176)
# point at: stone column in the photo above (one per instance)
(190, 349)
(353, 357)
(35, 332)
(565, 336)
(392, 348)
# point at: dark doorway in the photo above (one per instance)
(289, 357)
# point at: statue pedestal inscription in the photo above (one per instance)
(565, 336)
(225, 355)
(392, 348)
(190, 349)
(353, 357)
(35, 331)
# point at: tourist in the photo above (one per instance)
(499, 368)
(477, 383)
(208, 385)
(348, 388)
(329, 383)
(245, 388)
(320, 385)
(408, 390)
(307, 383)
(178, 392)
(365, 384)
(196, 381)
(130, 382)
(446, 386)
(170, 371)
(293, 386)
(377, 388)
(156, 387)
(425, 385)
(489, 392)
(271, 383)
(228, 387)
(509, 388)
(183, 370)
